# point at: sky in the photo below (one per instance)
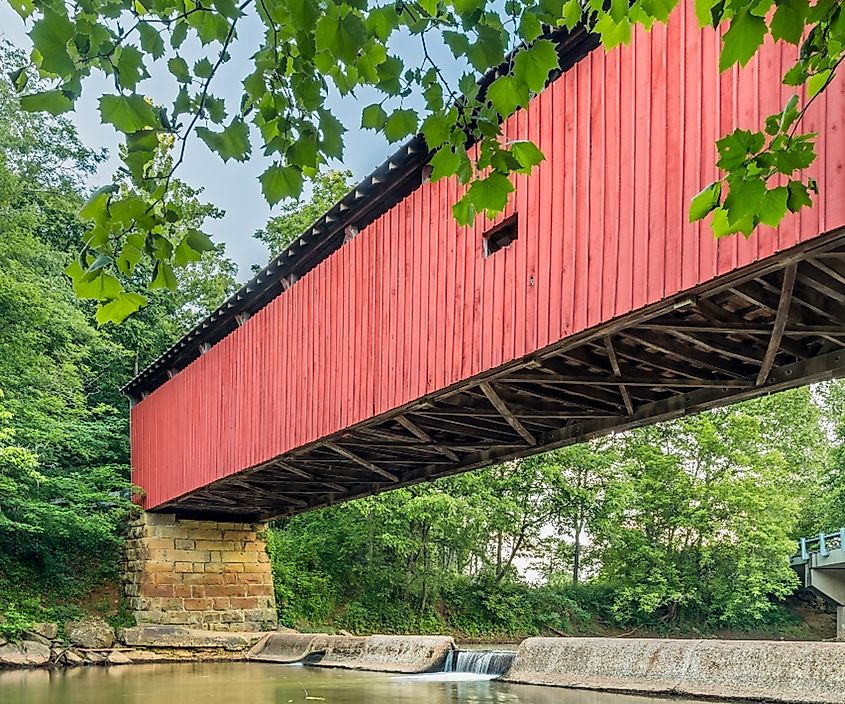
(233, 186)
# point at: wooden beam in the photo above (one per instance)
(272, 495)
(670, 345)
(781, 318)
(505, 412)
(644, 380)
(412, 427)
(614, 364)
(360, 460)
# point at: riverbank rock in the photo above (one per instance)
(47, 630)
(183, 637)
(115, 657)
(27, 653)
(91, 632)
(401, 654)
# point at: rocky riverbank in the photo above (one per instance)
(92, 641)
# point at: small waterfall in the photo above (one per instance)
(479, 662)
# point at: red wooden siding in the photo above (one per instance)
(411, 306)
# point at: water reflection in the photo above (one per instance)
(257, 683)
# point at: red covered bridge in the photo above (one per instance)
(389, 346)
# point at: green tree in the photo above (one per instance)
(312, 49)
(64, 451)
(296, 216)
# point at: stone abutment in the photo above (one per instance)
(204, 574)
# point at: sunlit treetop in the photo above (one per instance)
(313, 49)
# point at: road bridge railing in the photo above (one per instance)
(820, 564)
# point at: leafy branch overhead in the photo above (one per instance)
(311, 50)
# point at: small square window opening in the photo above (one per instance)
(501, 235)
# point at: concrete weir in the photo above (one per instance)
(795, 672)
(400, 654)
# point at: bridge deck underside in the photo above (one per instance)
(776, 325)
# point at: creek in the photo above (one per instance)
(259, 683)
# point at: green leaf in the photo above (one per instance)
(705, 201)
(130, 67)
(231, 143)
(571, 13)
(280, 182)
(457, 42)
(331, 135)
(119, 309)
(744, 196)
(50, 36)
(101, 287)
(163, 276)
(742, 39)
(24, 8)
(530, 26)
(215, 108)
(304, 13)
(54, 102)
(533, 65)
(798, 196)
(703, 11)
(445, 162)
(128, 113)
(179, 34)
(436, 129)
(773, 206)
(490, 194)
(464, 211)
(203, 68)
(179, 68)
(373, 117)
(400, 124)
(506, 94)
(735, 148)
(389, 75)
(19, 78)
(95, 207)
(488, 50)
(527, 154)
(151, 40)
(613, 32)
(788, 21)
(184, 254)
(342, 36)
(817, 82)
(128, 259)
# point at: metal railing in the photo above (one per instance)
(822, 544)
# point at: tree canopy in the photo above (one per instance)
(64, 447)
(422, 60)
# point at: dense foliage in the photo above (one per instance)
(422, 62)
(682, 525)
(64, 451)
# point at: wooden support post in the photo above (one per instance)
(412, 427)
(781, 318)
(360, 460)
(617, 372)
(506, 413)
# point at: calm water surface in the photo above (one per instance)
(257, 683)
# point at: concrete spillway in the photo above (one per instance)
(793, 672)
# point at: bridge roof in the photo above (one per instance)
(390, 182)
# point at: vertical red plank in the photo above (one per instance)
(676, 85)
(642, 157)
(657, 166)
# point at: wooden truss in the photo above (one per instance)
(777, 325)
